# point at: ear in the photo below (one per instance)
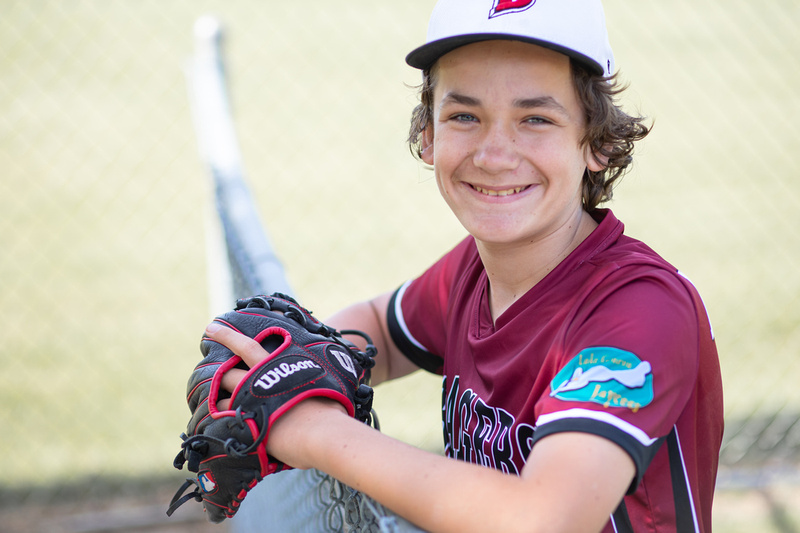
(426, 145)
(595, 161)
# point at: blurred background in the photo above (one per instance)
(105, 206)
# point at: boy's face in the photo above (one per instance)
(505, 144)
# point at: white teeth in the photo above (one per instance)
(505, 192)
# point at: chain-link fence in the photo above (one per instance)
(103, 203)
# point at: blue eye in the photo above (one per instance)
(464, 117)
(537, 120)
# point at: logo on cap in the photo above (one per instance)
(503, 7)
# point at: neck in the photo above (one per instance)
(513, 269)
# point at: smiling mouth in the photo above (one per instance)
(503, 192)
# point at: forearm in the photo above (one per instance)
(428, 490)
(418, 485)
(444, 495)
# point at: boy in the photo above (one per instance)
(578, 366)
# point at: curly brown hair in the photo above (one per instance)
(610, 132)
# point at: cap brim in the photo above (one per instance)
(426, 55)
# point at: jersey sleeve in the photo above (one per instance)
(417, 313)
(629, 365)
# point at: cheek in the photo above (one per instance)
(443, 181)
(574, 163)
(439, 184)
(449, 155)
(565, 175)
(558, 164)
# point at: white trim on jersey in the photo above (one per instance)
(401, 321)
(710, 326)
(613, 523)
(600, 416)
(686, 477)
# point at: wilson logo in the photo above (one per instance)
(503, 7)
(274, 375)
(344, 359)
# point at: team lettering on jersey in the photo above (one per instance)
(479, 433)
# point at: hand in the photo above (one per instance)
(248, 349)
(294, 427)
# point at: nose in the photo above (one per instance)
(496, 151)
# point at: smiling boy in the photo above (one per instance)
(582, 389)
(505, 143)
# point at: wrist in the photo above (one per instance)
(297, 437)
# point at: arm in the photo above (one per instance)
(571, 482)
(370, 317)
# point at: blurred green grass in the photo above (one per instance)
(104, 200)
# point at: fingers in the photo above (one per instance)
(231, 378)
(249, 350)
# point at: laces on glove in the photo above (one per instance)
(290, 308)
(179, 500)
(195, 448)
(363, 404)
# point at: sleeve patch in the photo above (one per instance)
(607, 376)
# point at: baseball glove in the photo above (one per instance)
(227, 449)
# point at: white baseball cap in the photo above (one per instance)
(576, 28)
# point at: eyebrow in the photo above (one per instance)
(456, 98)
(523, 103)
(541, 101)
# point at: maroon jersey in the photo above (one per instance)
(613, 342)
